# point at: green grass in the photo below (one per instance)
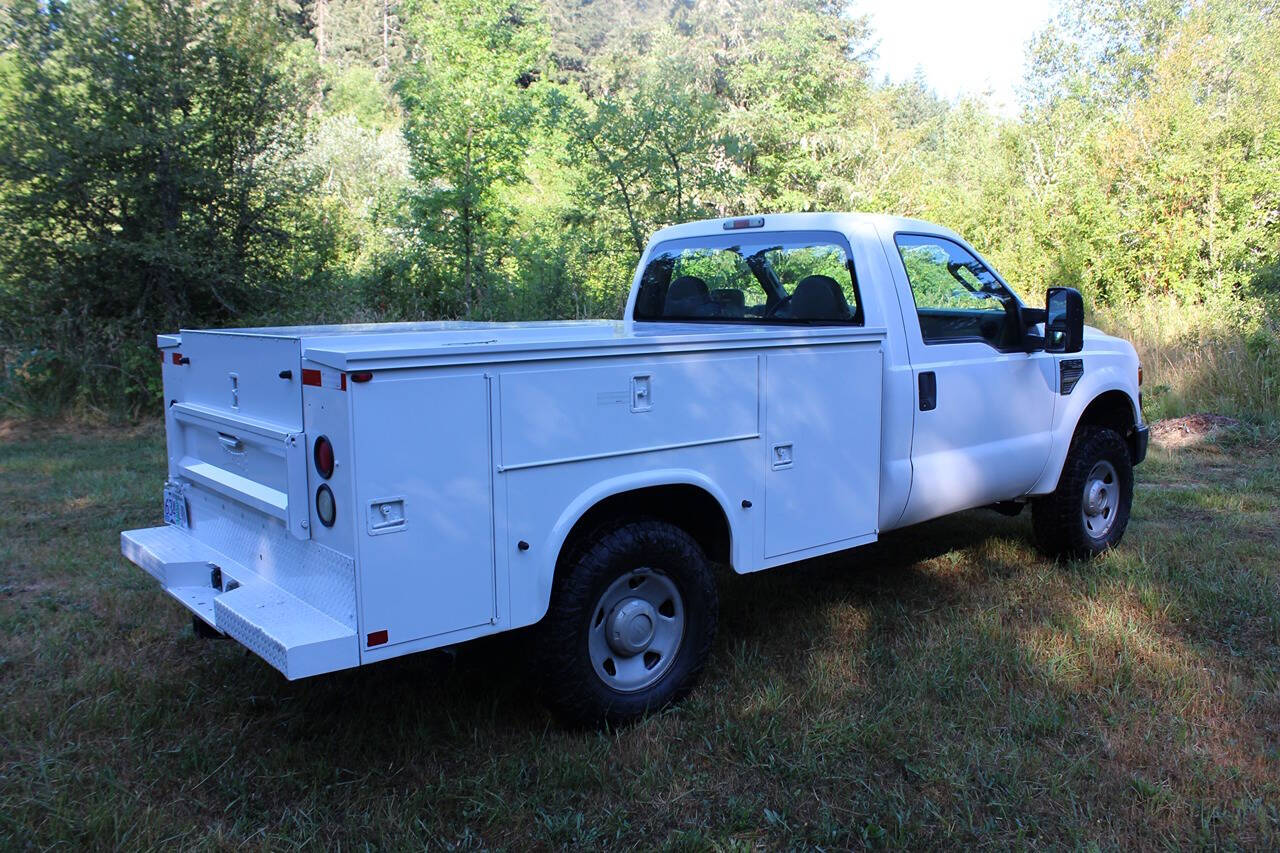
(946, 686)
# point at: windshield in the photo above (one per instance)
(769, 277)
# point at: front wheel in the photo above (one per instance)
(630, 626)
(1088, 512)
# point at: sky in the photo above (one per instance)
(963, 48)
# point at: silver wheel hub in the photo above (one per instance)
(1101, 500)
(635, 630)
(631, 626)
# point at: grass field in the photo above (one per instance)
(944, 687)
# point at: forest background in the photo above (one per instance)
(169, 164)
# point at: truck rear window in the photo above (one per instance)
(764, 277)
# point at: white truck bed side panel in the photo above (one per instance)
(822, 448)
(424, 504)
(543, 504)
(625, 406)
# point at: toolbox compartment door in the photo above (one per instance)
(822, 449)
(243, 375)
(424, 505)
(255, 463)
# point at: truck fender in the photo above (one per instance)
(1102, 380)
(580, 506)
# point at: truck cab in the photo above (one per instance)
(779, 387)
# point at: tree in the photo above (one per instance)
(788, 76)
(355, 32)
(147, 181)
(468, 115)
(651, 156)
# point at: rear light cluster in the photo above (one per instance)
(326, 506)
(326, 509)
(323, 454)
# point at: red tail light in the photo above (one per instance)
(323, 453)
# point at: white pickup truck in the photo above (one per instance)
(780, 387)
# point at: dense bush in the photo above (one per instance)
(170, 164)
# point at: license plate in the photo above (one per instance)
(175, 507)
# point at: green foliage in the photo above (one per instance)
(507, 159)
(647, 158)
(355, 33)
(468, 114)
(147, 183)
(356, 91)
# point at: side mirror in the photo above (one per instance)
(1064, 320)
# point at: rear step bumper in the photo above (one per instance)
(282, 629)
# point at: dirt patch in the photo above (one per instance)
(1189, 429)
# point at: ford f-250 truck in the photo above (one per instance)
(780, 387)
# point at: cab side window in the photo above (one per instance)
(957, 298)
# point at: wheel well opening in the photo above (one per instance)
(689, 507)
(1113, 410)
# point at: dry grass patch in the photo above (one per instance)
(944, 687)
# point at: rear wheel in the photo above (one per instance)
(630, 626)
(1088, 512)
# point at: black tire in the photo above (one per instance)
(1059, 519)
(572, 687)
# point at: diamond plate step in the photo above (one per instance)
(282, 629)
(171, 555)
(286, 632)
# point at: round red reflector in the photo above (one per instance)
(324, 457)
(326, 509)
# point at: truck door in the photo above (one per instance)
(984, 407)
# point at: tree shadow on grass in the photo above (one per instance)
(490, 684)
(982, 688)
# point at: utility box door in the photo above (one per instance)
(424, 505)
(822, 446)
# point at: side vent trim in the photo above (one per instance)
(1069, 372)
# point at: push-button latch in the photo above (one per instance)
(641, 393)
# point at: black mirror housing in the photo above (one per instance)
(1064, 320)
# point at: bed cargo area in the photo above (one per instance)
(236, 548)
(340, 495)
